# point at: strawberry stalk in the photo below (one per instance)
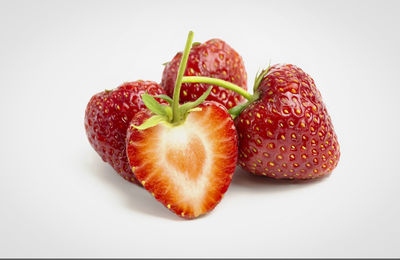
(176, 117)
(235, 111)
(218, 82)
(173, 114)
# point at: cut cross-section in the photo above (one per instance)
(187, 167)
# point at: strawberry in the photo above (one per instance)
(285, 131)
(184, 155)
(188, 167)
(107, 118)
(216, 59)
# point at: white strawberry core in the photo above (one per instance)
(187, 158)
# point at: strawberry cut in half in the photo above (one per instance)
(188, 167)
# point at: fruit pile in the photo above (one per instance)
(182, 140)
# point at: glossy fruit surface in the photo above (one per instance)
(107, 118)
(287, 132)
(216, 59)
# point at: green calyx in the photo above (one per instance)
(259, 77)
(173, 113)
(235, 111)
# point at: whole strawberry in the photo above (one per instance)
(286, 131)
(215, 59)
(107, 118)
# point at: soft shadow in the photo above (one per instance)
(134, 196)
(243, 180)
(140, 200)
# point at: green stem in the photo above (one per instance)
(219, 82)
(182, 66)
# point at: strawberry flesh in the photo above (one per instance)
(188, 167)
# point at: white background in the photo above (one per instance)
(57, 197)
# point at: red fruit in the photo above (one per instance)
(216, 59)
(287, 132)
(107, 118)
(187, 167)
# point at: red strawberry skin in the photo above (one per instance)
(216, 59)
(287, 133)
(189, 167)
(107, 118)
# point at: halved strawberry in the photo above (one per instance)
(187, 167)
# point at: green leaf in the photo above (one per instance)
(260, 77)
(195, 109)
(150, 122)
(165, 63)
(189, 105)
(195, 43)
(168, 110)
(165, 97)
(153, 105)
